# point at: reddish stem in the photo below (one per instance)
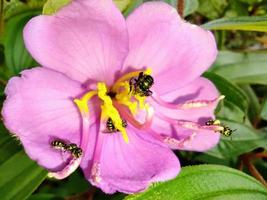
(246, 159)
(180, 8)
(261, 155)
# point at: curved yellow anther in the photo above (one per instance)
(124, 97)
(128, 76)
(124, 93)
(82, 103)
(109, 111)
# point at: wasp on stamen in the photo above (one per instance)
(75, 151)
(111, 127)
(226, 131)
(59, 144)
(142, 84)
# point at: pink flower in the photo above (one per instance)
(94, 63)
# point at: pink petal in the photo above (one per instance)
(178, 52)
(132, 167)
(39, 109)
(86, 40)
(200, 89)
(192, 140)
(201, 140)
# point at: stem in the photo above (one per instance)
(240, 164)
(261, 155)
(180, 8)
(246, 159)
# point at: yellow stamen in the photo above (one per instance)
(128, 76)
(82, 103)
(124, 96)
(109, 111)
(141, 101)
(124, 93)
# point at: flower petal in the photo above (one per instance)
(200, 140)
(86, 40)
(39, 109)
(199, 89)
(130, 168)
(192, 140)
(177, 52)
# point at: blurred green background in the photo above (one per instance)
(240, 73)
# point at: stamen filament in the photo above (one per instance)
(74, 163)
(83, 103)
(189, 124)
(69, 169)
(186, 105)
(128, 76)
(109, 111)
(134, 122)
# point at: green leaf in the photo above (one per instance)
(52, 6)
(134, 4)
(20, 178)
(17, 57)
(231, 92)
(251, 2)
(231, 112)
(264, 110)
(190, 7)
(123, 4)
(17, 7)
(236, 9)
(254, 105)
(19, 175)
(251, 23)
(230, 57)
(205, 182)
(45, 197)
(254, 72)
(243, 140)
(212, 8)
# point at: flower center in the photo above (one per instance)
(130, 91)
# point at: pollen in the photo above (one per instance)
(122, 94)
(83, 102)
(109, 111)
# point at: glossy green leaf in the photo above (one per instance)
(207, 182)
(254, 72)
(52, 6)
(231, 92)
(20, 176)
(251, 23)
(17, 57)
(243, 139)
